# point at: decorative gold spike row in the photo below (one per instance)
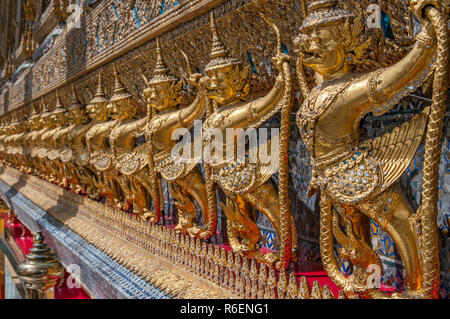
(224, 268)
(271, 284)
(161, 233)
(282, 285)
(304, 289)
(316, 292)
(292, 289)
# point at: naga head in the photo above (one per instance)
(97, 107)
(59, 114)
(120, 105)
(76, 110)
(163, 91)
(226, 81)
(46, 116)
(328, 37)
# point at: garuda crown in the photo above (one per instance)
(323, 13)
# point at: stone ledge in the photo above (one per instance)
(47, 207)
(101, 275)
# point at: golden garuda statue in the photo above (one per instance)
(129, 159)
(60, 142)
(31, 120)
(42, 141)
(50, 156)
(357, 177)
(7, 131)
(247, 183)
(16, 130)
(100, 155)
(21, 139)
(36, 126)
(3, 135)
(186, 184)
(76, 156)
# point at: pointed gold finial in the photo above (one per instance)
(292, 290)
(100, 96)
(327, 293)
(161, 72)
(120, 92)
(245, 267)
(74, 101)
(218, 48)
(316, 291)
(303, 290)
(282, 285)
(271, 284)
(59, 108)
(34, 111)
(45, 109)
(219, 56)
(237, 264)
(226, 278)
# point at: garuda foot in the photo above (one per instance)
(255, 255)
(148, 215)
(194, 231)
(271, 258)
(179, 228)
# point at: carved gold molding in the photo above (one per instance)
(169, 20)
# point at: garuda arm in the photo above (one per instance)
(382, 89)
(182, 118)
(254, 113)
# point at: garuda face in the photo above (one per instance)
(226, 84)
(322, 50)
(163, 95)
(77, 116)
(97, 111)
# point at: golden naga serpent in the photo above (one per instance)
(283, 161)
(154, 182)
(428, 210)
(210, 186)
(433, 143)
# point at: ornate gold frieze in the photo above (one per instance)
(241, 87)
(233, 17)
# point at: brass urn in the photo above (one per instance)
(40, 270)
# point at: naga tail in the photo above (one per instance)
(433, 143)
(211, 222)
(283, 160)
(154, 184)
(210, 191)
